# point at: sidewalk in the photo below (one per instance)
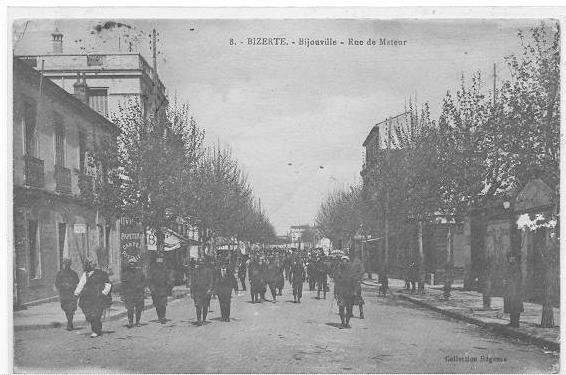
(50, 315)
(468, 306)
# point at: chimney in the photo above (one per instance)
(81, 89)
(57, 41)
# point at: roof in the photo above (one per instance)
(376, 127)
(20, 67)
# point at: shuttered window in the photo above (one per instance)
(98, 100)
(30, 128)
(60, 145)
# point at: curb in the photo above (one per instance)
(117, 316)
(494, 327)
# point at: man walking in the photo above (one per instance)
(322, 275)
(225, 282)
(297, 276)
(358, 272)
(66, 283)
(272, 274)
(133, 291)
(159, 285)
(344, 290)
(202, 286)
(93, 288)
(242, 269)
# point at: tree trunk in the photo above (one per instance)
(547, 319)
(449, 263)
(421, 273)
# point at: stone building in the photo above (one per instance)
(114, 79)
(53, 132)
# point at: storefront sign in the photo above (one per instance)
(130, 237)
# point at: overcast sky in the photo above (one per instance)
(311, 107)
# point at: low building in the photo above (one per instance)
(53, 132)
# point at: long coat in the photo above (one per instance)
(133, 285)
(297, 273)
(159, 279)
(224, 285)
(202, 284)
(92, 301)
(66, 282)
(345, 284)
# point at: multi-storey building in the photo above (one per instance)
(53, 132)
(114, 79)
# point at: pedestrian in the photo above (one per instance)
(202, 286)
(322, 278)
(66, 282)
(513, 301)
(311, 273)
(225, 282)
(272, 275)
(263, 277)
(93, 289)
(254, 276)
(345, 290)
(159, 285)
(358, 272)
(297, 276)
(242, 269)
(280, 283)
(133, 291)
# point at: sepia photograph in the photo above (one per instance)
(214, 192)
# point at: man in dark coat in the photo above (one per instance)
(297, 276)
(254, 276)
(345, 290)
(272, 275)
(225, 282)
(242, 269)
(202, 286)
(133, 291)
(93, 289)
(66, 283)
(160, 283)
(358, 272)
(263, 277)
(280, 283)
(311, 273)
(322, 277)
(513, 301)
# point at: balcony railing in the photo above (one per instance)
(62, 179)
(34, 171)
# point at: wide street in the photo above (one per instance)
(282, 337)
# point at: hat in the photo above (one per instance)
(159, 259)
(345, 257)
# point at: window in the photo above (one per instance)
(30, 113)
(33, 250)
(60, 145)
(95, 60)
(62, 232)
(98, 100)
(82, 151)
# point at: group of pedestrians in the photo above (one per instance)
(92, 291)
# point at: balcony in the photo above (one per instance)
(34, 175)
(62, 180)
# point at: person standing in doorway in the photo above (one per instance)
(66, 283)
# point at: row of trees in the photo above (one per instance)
(482, 148)
(160, 170)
